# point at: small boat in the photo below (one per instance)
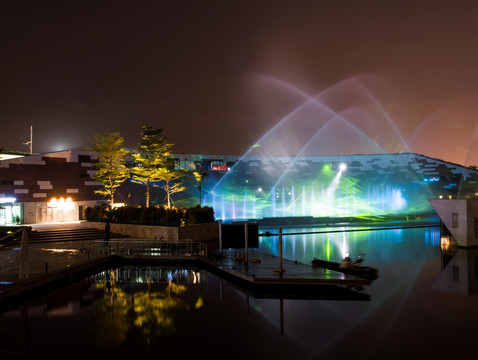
(346, 266)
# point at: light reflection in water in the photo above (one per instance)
(151, 304)
(149, 308)
(305, 244)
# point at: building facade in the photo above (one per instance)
(256, 187)
(59, 186)
(52, 187)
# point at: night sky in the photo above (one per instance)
(217, 75)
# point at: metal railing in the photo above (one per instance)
(147, 248)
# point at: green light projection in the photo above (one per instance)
(329, 193)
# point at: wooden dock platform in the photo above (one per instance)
(262, 268)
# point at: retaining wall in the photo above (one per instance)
(199, 232)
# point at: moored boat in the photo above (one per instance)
(355, 269)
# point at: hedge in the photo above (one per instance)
(153, 215)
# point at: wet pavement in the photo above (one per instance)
(43, 258)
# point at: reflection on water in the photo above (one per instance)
(459, 273)
(333, 246)
(423, 292)
(124, 303)
(149, 308)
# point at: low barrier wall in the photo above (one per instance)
(198, 232)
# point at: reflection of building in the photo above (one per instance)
(46, 188)
(460, 274)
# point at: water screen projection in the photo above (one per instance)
(335, 154)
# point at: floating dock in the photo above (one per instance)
(255, 273)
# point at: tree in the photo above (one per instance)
(111, 170)
(169, 182)
(199, 176)
(150, 157)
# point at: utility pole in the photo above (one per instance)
(30, 143)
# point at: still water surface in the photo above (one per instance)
(424, 303)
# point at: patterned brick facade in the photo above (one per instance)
(51, 187)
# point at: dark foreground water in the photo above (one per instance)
(422, 306)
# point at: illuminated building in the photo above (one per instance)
(46, 188)
(255, 187)
(58, 186)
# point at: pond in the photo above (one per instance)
(424, 301)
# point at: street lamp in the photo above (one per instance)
(30, 143)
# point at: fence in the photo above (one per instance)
(147, 248)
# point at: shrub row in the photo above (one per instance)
(153, 215)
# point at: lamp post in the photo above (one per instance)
(30, 143)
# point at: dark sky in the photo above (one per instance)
(217, 75)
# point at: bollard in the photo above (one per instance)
(24, 256)
(220, 237)
(246, 242)
(280, 269)
(280, 250)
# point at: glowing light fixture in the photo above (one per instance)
(342, 167)
(7, 200)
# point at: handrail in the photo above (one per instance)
(10, 237)
(146, 247)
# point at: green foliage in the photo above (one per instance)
(170, 182)
(98, 213)
(199, 215)
(111, 170)
(153, 215)
(150, 157)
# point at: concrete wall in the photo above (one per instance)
(464, 230)
(199, 232)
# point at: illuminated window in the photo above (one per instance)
(218, 166)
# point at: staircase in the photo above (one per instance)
(63, 235)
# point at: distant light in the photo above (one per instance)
(342, 167)
(255, 145)
(60, 147)
(260, 189)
